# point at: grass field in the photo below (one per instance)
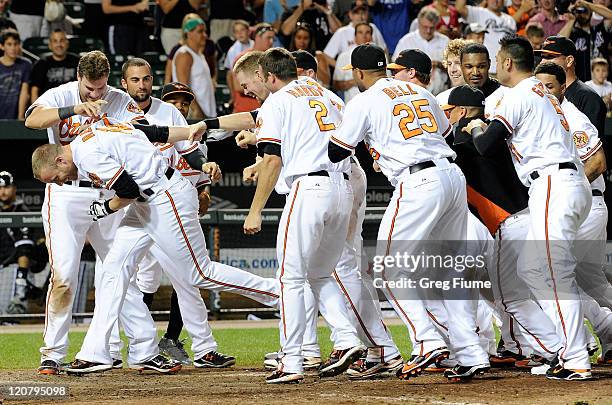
(20, 350)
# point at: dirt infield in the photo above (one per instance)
(240, 386)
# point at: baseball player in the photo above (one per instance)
(291, 137)
(531, 123)
(591, 236)
(405, 129)
(499, 198)
(64, 110)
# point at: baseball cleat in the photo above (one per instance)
(592, 348)
(280, 377)
(175, 350)
(49, 367)
(465, 373)
(340, 360)
(214, 359)
(312, 363)
(364, 370)
(159, 363)
(271, 362)
(505, 359)
(417, 364)
(540, 370)
(440, 366)
(533, 361)
(560, 373)
(605, 358)
(117, 363)
(80, 367)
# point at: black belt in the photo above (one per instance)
(565, 165)
(149, 192)
(424, 165)
(326, 174)
(83, 183)
(596, 193)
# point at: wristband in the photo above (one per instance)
(108, 208)
(212, 123)
(65, 112)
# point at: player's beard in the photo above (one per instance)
(140, 98)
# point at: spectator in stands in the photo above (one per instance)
(600, 8)
(343, 79)
(391, 16)
(535, 34)
(452, 62)
(264, 38)
(126, 32)
(5, 23)
(521, 11)
(578, 29)
(56, 18)
(425, 38)
(498, 23)
(17, 245)
(274, 9)
(317, 14)
(475, 32)
(549, 18)
(14, 76)
(28, 17)
(174, 11)
(341, 8)
(344, 37)
(93, 25)
(303, 39)
(55, 69)
(4, 8)
(222, 15)
(449, 19)
(189, 66)
(240, 30)
(599, 75)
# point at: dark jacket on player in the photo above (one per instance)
(494, 190)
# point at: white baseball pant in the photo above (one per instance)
(309, 244)
(431, 204)
(67, 225)
(559, 202)
(513, 295)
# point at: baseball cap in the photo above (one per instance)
(367, 57)
(474, 28)
(556, 45)
(6, 179)
(304, 60)
(412, 59)
(174, 88)
(465, 96)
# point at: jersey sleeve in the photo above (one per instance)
(129, 111)
(333, 46)
(354, 127)
(50, 98)
(585, 138)
(509, 112)
(99, 166)
(269, 126)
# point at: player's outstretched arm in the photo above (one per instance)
(269, 170)
(595, 165)
(232, 122)
(41, 117)
(246, 138)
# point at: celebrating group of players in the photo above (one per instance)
(129, 158)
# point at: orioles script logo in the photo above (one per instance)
(95, 179)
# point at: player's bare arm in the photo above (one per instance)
(42, 117)
(232, 122)
(251, 173)
(595, 165)
(269, 170)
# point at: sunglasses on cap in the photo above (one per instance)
(263, 29)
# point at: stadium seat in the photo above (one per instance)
(36, 45)
(80, 44)
(75, 9)
(117, 61)
(157, 60)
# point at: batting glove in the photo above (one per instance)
(100, 209)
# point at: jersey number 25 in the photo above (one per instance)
(409, 117)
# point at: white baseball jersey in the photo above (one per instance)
(585, 137)
(119, 106)
(539, 131)
(299, 118)
(493, 101)
(344, 38)
(101, 155)
(161, 113)
(402, 125)
(175, 160)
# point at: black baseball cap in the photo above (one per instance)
(556, 46)
(304, 60)
(367, 57)
(174, 88)
(412, 59)
(6, 179)
(465, 96)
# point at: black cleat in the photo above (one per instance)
(49, 367)
(340, 360)
(465, 373)
(214, 359)
(80, 367)
(158, 363)
(560, 373)
(280, 377)
(418, 364)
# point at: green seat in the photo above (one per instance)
(36, 45)
(75, 9)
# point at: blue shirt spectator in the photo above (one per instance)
(273, 10)
(391, 17)
(14, 78)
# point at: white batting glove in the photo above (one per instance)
(100, 209)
